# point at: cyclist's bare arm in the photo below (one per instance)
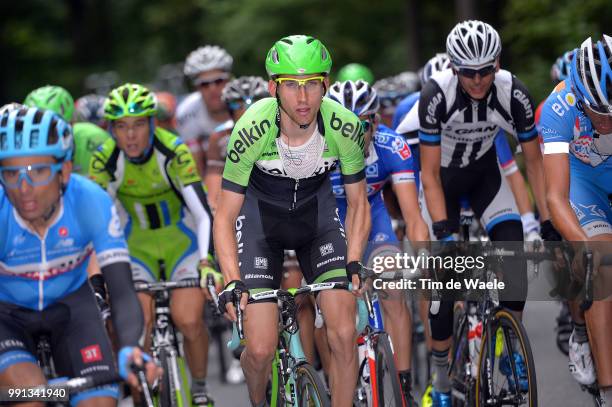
(358, 221)
(214, 170)
(407, 196)
(535, 175)
(557, 197)
(519, 190)
(432, 183)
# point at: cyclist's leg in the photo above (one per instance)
(494, 203)
(80, 346)
(18, 365)
(145, 268)
(592, 207)
(178, 249)
(260, 269)
(324, 259)
(396, 315)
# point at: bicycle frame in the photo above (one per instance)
(164, 339)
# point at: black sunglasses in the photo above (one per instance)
(206, 83)
(471, 73)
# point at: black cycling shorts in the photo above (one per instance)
(313, 229)
(79, 343)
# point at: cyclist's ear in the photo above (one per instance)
(272, 85)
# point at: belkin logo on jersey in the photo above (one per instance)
(348, 130)
(246, 138)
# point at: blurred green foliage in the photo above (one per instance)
(62, 41)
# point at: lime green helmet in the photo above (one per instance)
(54, 98)
(354, 72)
(130, 100)
(298, 55)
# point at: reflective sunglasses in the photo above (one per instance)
(205, 83)
(309, 84)
(35, 175)
(471, 73)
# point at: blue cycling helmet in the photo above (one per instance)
(591, 74)
(561, 68)
(34, 132)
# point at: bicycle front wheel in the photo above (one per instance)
(506, 373)
(387, 384)
(311, 391)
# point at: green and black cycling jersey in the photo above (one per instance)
(163, 192)
(253, 158)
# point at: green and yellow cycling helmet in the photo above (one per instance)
(54, 98)
(298, 55)
(130, 100)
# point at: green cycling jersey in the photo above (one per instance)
(253, 158)
(151, 192)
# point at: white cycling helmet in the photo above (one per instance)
(9, 107)
(473, 44)
(358, 97)
(207, 58)
(438, 63)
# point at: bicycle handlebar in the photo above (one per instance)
(166, 285)
(281, 294)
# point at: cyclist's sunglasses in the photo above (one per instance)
(471, 73)
(205, 83)
(35, 175)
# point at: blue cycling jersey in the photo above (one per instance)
(389, 158)
(403, 108)
(35, 272)
(568, 130)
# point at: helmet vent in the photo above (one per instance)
(287, 41)
(323, 54)
(275, 56)
(34, 138)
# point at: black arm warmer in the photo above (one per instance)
(126, 311)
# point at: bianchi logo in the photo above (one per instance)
(327, 248)
(261, 263)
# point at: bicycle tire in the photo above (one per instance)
(167, 394)
(387, 384)
(505, 321)
(308, 382)
(460, 355)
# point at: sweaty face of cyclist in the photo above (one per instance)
(36, 202)
(301, 102)
(477, 85)
(132, 135)
(211, 84)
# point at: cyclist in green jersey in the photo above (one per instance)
(276, 195)
(154, 177)
(87, 137)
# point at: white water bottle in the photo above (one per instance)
(474, 338)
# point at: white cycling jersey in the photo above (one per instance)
(194, 124)
(466, 128)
